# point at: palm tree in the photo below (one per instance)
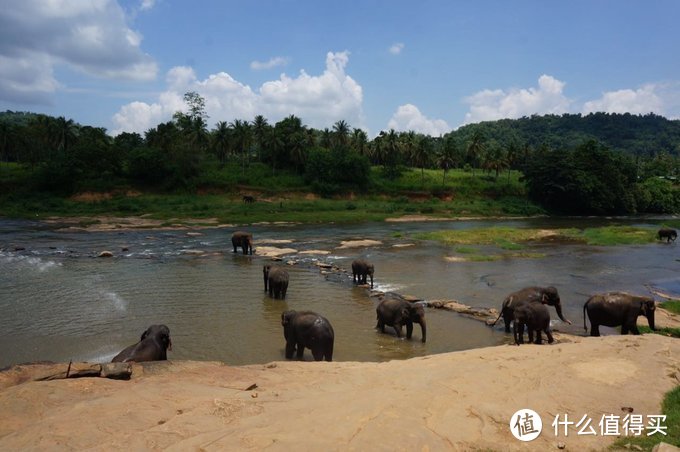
(495, 158)
(447, 157)
(274, 143)
(360, 141)
(419, 153)
(260, 128)
(341, 133)
(475, 149)
(243, 138)
(221, 141)
(65, 133)
(326, 138)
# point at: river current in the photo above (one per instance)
(60, 302)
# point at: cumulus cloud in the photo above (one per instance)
(547, 98)
(92, 37)
(408, 117)
(396, 48)
(273, 62)
(319, 100)
(147, 4)
(639, 101)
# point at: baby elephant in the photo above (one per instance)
(275, 281)
(667, 233)
(537, 319)
(396, 312)
(152, 346)
(360, 270)
(307, 329)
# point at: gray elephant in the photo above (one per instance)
(618, 308)
(275, 281)
(536, 317)
(307, 329)
(544, 295)
(152, 346)
(361, 269)
(667, 233)
(244, 240)
(394, 311)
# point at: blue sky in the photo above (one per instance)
(428, 66)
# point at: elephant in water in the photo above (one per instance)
(360, 270)
(667, 233)
(544, 295)
(275, 281)
(307, 329)
(536, 317)
(244, 240)
(618, 308)
(394, 311)
(152, 346)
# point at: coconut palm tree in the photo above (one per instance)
(359, 141)
(260, 128)
(448, 156)
(221, 141)
(475, 149)
(243, 138)
(340, 134)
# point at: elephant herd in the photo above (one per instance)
(527, 307)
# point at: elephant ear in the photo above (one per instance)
(145, 334)
(545, 299)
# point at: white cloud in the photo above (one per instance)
(408, 117)
(319, 100)
(640, 101)
(396, 48)
(91, 36)
(146, 5)
(273, 62)
(547, 98)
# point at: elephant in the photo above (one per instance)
(244, 240)
(275, 281)
(248, 199)
(307, 329)
(667, 233)
(394, 311)
(544, 295)
(618, 308)
(360, 270)
(536, 317)
(152, 346)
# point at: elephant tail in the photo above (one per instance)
(585, 305)
(497, 319)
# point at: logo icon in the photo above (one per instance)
(526, 425)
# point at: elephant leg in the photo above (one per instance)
(634, 329)
(539, 339)
(548, 333)
(594, 329)
(508, 320)
(317, 353)
(530, 333)
(397, 329)
(290, 349)
(300, 350)
(409, 330)
(328, 353)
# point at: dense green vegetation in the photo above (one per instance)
(594, 164)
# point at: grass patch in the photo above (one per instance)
(484, 257)
(465, 250)
(671, 306)
(671, 408)
(670, 332)
(514, 239)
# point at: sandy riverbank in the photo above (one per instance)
(453, 401)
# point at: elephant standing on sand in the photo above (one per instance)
(536, 317)
(667, 233)
(307, 329)
(152, 346)
(275, 281)
(360, 270)
(244, 240)
(618, 308)
(544, 295)
(394, 311)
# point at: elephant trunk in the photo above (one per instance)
(558, 308)
(585, 305)
(423, 329)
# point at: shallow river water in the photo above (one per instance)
(59, 302)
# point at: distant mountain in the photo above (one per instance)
(643, 135)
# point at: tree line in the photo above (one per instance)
(618, 163)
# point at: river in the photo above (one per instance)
(60, 302)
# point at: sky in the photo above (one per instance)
(430, 66)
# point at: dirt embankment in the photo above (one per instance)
(453, 401)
